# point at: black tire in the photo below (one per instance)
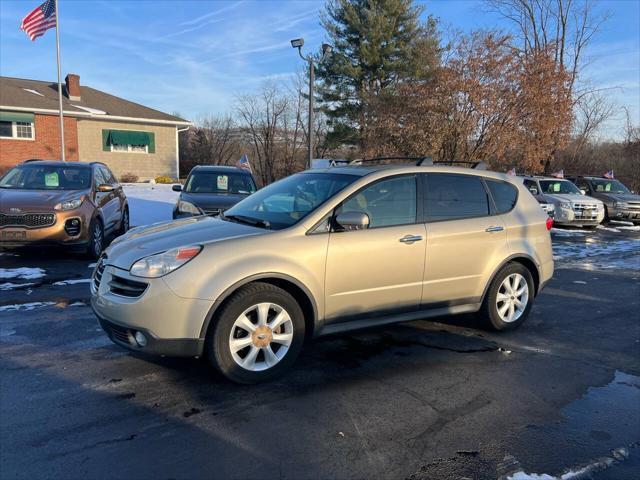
(489, 309)
(124, 222)
(606, 218)
(218, 349)
(96, 239)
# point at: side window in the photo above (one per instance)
(531, 185)
(98, 176)
(504, 195)
(451, 197)
(108, 175)
(388, 202)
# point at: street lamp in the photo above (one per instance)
(326, 50)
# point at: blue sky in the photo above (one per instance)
(195, 57)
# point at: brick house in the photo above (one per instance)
(128, 137)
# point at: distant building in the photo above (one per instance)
(128, 137)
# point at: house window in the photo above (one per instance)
(128, 141)
(21, 130)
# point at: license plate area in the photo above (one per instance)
(13, 235)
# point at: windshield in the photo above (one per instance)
(220, 182)
(608, 186)
(47, 177)
(289, 200)
(559, 186)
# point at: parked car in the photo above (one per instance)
(71, 204)
(343, 248)
(619, 202)
(210, 190)
(548, 207)
(571, 207)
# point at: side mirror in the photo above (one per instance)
(583, 191)
(533, 190)
(105, 187)
(353, 220)
(176, 188)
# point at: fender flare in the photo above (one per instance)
(503, 263)
(252, 278)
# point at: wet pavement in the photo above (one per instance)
(423, 400)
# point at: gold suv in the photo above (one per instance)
(325, 251)
(70, 204)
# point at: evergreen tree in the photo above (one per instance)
(377, 44)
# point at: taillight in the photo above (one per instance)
(549, 223)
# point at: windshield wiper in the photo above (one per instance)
(255, 222)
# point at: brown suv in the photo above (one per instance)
(56, 203)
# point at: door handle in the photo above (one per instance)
(494, 228)
(409, 239)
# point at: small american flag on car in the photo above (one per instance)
(244, 163)
(40, 20)
(558, 174)
(609, 175)
(511, 171)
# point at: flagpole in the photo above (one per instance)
(59, 84)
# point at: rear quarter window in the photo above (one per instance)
(453, 197)
(504, 195)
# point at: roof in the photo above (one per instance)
(55, 163)
(94, 103)
(361, 171)
(220, 168)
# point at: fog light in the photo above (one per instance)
(141, 339)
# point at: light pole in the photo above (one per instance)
(326, 50)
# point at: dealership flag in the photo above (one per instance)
(558, 174)
(40, 20)
(609, 175)
(244, 163)
(511, 171)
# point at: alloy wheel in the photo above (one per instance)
(97, 239)
(512, 297)
(261, 336)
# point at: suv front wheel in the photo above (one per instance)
(257, 334)
(509, 298)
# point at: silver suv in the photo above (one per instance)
(570, 205)
(325, 251)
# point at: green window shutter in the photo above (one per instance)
(105, 140)
(16, 117)
(152, 142)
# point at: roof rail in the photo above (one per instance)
(389, 160)
(476, 165)
(33, 160)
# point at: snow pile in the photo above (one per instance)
(150, 203)
(599, 256)
(24, 273)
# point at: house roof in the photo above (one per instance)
(15, 94)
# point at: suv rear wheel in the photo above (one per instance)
(509, 298)
(257, 334)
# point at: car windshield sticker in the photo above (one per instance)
(51, 179)
(223, 182)
(556, 187)
(607, 187)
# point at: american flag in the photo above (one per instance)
(609, 175)
(40, 20)
(244, 163)
(511, 171)
(558, 174)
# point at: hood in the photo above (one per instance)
(619, 197)
(571, 198)
(12, 200)
(207, 201)
(144, 241)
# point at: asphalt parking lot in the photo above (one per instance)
(423, 400)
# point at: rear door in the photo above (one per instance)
(464, 238)
(378, 270)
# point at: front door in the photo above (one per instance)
(377, 270)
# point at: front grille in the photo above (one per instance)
(586, 210)
(126, 288)
(121, 334)
(98, 272)
(634, 205)
(28, 220)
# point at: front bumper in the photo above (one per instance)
(172, 324)
(625, 214)
(52, 235)
(565, 216)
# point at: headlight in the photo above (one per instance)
(158, 265)
(566, 205)
(620, 205)
(69, 204)
(188, 207)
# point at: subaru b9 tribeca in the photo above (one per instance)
(320, 252)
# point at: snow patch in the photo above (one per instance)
(72, 281)
(614, 254)
(10, 286)
(633, 228)
(25, 306)
(24, 273)
(150, 203)
(91, 265)
(580, 282)
(560, 232)
(608, 229)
